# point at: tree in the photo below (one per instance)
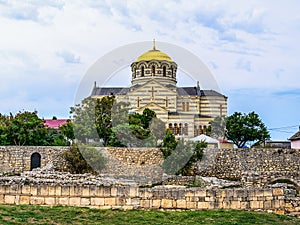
(218, 127)
(26, 128)
(67, 130)
(242, 128)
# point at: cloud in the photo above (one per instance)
(68, 57)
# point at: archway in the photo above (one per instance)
(35, 161)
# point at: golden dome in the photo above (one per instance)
(154, 54)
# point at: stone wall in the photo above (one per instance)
(232, 163)
(142, 164)
(105, 194)
(16, 159)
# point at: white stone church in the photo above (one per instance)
(187, 111)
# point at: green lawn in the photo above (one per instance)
(31, 214)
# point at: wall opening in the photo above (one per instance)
(35, 161)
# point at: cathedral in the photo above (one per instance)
(186, 111)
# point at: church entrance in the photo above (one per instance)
(35, 161)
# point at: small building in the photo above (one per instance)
(55, 123)
(295, 140)
(278, 144)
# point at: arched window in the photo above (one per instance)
(186, 129)
(171, 127)
(172, 71)
(35, 161)
(180, 129)
(200, 129)
(153, 70)
(164, 71)
(143, 71)
(183, 106)
(134, 74)
(204, 129)
(187, 106)
(176, 130)
(196, 131)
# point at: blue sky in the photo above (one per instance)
(251, 47)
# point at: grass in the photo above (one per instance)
(32, 214)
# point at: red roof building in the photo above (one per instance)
(55, 123)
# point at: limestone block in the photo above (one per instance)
(85, 191)
(85, 201)
(145, 204)
(113, 191)
(26, 189)
(202, 205)
(93, 190)
(37, 200)
(50, 201)
(268, 193)
(181, 204)
(97, 201)
(9, 199)
(254, 204)
(235, 205)
(106, 191)
(78, 190)
(133, 192)
(44, 190)
(72, 190)
(24, 199)
(277, 192)
(14, 189)
(110, 201)
(166, 203)
(191, 205)
(63, 200)
(33, 190)
(74, 201)
(189, 194)
(245, 205)
(65, 191)
(57, 190)
(156, 203)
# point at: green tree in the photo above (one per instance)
(67, 130)
(183, 157)
(218, 127)
(26, 128)
(242, 128)
(4, 123)
(84, 120)
(103, 113)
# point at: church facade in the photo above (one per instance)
(186, 111)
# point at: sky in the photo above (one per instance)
(251, 48)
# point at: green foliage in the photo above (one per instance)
(67, 130)
(169, 144)
(242, 128)
(76, 163)
(84, 120)
(218, 127)
(181, 159)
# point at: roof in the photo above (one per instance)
(154, 55)
(295, 136)
(205, 138)
(197, 91)
(109, 91)
(98, 91)
(55, 123)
